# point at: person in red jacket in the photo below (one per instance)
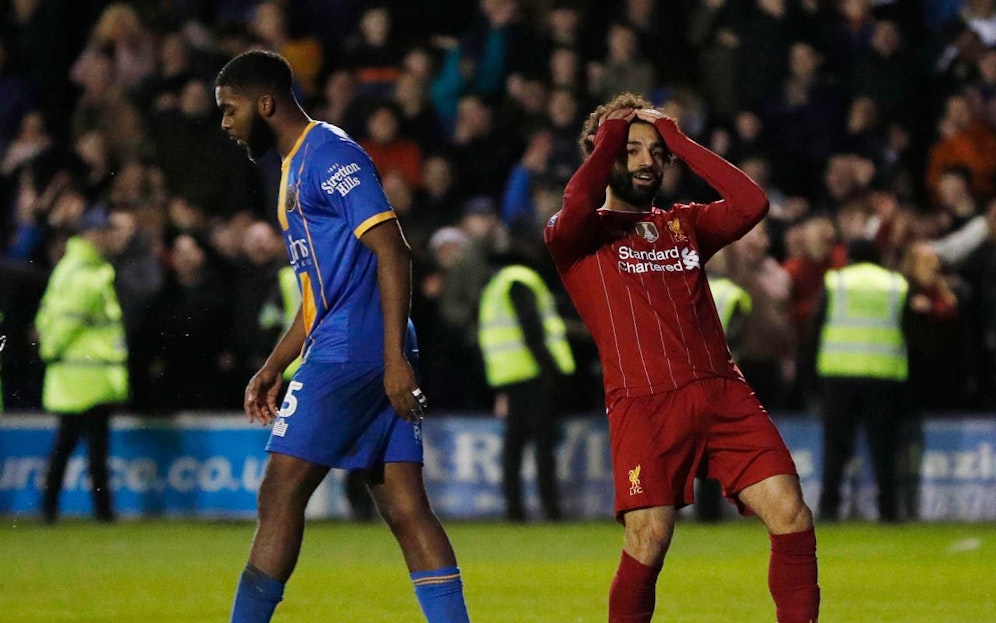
(677, 405)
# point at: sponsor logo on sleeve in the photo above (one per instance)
(341, 179)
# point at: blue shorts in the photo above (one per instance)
(337, 414)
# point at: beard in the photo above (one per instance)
(261, 139)
(621, 183)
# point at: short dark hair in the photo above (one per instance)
(257, 69)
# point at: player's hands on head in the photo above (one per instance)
(622, 113)
(654, 116)
(261, 395)
(650, 115)
(403, 391)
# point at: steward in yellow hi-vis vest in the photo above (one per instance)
(730, 299)
(81, 333)
(281, 308)
(863, 335)
(524, 343)
(507, 358)
(862, 368)
(81, 339)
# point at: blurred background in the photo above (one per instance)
(860, 118)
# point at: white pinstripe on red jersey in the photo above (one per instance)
(631, 302)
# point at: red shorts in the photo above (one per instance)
(713, 428)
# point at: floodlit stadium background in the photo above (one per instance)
(879, 115)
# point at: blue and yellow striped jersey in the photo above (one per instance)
(330, 194)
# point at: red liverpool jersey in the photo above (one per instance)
(636, 278)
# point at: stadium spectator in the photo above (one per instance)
(809, 110)
(372, 53)
(964, 139)
(271, 24)
(767, 345)
(192, 341)
(138, 278)
(340, 103)
(476, 132)
(447, 359)
(391, 151)
(624, 67)
(356, 382)
(15, 93)
(645, 300)
(885, 73)
(461, 292)
(818, 251)
(418, 122)
(437, 202)
(120, 34)
(32, 138)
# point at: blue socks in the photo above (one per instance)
(440, 593)
(257, 597)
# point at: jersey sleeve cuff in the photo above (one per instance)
(376, 219)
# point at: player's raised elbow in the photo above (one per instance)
(757, 203)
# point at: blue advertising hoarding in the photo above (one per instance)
(211, 466)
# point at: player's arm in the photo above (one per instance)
(744, 203)
(264, 386)
(394, 278)
(571, 230)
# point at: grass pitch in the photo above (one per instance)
(184, 571)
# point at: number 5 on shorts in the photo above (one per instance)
(290, 400)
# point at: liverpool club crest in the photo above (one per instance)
(675, 227)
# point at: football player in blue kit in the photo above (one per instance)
(354, 403)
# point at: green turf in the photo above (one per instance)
(159, 571)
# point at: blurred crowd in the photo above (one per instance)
(860, 118)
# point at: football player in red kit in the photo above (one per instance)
(678, 407)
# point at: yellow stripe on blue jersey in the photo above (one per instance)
(330, 195)
(376, 219)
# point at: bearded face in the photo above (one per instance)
(637, 175)
(260, 140)
(637, 188)
(242, 122)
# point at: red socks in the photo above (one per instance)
(792, 577)
(633, 592)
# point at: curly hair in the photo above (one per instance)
(624, 100)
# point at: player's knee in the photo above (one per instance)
(793, 516)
